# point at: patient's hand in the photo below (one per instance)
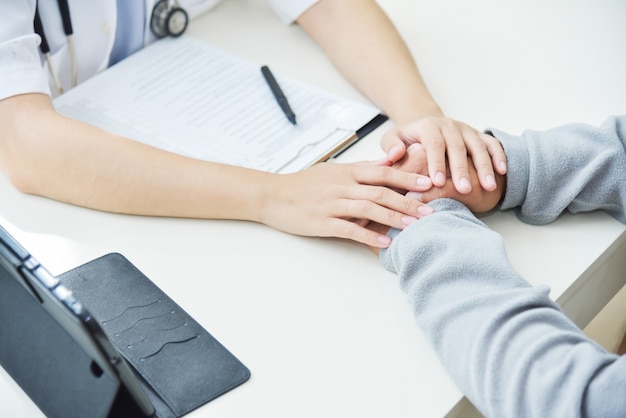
(478, 200)
(414, 161)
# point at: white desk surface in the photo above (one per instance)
(324, 329)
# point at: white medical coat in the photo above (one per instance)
(22, 68)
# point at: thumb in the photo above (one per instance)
(393, 145)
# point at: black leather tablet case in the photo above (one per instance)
(180, 365)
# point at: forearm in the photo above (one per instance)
(574, 167)
(364, 45)
(47, 154)
(506, 344)
(50, 155)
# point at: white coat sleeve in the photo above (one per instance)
(289, 10)
(20, 64)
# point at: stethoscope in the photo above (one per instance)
(167, 19)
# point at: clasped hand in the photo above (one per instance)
(362, 201)
(463, 163)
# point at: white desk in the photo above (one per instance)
(322, 326)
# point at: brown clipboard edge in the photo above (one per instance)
(355, 137)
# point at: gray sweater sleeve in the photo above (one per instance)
(508, 347)
(574, 167)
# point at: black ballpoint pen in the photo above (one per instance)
(278, 94)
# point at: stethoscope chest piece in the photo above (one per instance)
(168, 18)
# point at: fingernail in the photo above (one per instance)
(423, 181)
(465, 184)
(425, 210)
(414, 195)
(440, 178)
(490, 180)
(384, 240)
(502, 166)
(408, 220)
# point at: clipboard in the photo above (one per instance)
(188, 97)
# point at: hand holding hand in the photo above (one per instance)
(478, 200)
(337, 200)
(447, 139)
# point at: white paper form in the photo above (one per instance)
(187, 97)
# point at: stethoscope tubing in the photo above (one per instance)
(66, 17)
(171, 7)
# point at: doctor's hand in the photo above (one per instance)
(338, 200)
(445, 139)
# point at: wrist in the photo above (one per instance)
(266, 198)
(410, 113)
